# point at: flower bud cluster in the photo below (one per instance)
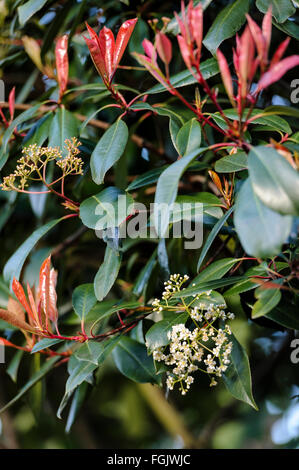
(200, 346)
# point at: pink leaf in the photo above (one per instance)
(11, 103)
(277, 71)
(164, 48)
(226, 75)
(267, 26)
(280, 51)
(184, 51)
(150, 50)
(196, 24)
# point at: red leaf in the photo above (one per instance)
(96, 53)
(196, 26)
(44, 286)
(107, 46)
(53, 312)
(122, 40)
(20, 295)
(62, 63)
(277, 71)
(33, 306)
(226, 75)
(280, 51)
(259, 39)
(267, 26)
(245, 59)
(164, 48)
(184, 51)
(11, 345)
(11, 103)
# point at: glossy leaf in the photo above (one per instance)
(232, 163)
(215, 270)
(132, 360)
(237, 377)
(84, 300)
(267, 299)
(107, 273)
(167, 189)
(261, 230)
(104, 210)
(274, 180)
(189, 137)
(157, 335)
(213, 234)
(64, 126)
(44, 344)
(226, 24)
(28, 9)
(281, 9)
(108, 150)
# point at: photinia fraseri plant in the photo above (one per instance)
(225, 154)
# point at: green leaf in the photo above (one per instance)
(167, 189)
(146, 178)
(232, 163)
(288, 27)
(237, 377)
(144, 275)
(263, 117)
(92, 351)
(64, 126)
(206, 286)
(76, 405)
(15, 263)
(108, 150)
(285, 314)
(274, 180)
(281, 9)
(107, 273)
(209, 68)
(215, 270)
(247, 284)
(261, 230)
(28, 9)
(267, 300)
(84, 300)
(210, 205)
(79, 374)
(40, 132)
(44, 344)
(105, 209)
(45, 368)
(132, 360)
(13, 367)
(227, 23)
(157, 335)
(213, 234)
(189, 137)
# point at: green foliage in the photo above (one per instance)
(194, 123)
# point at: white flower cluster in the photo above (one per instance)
(173, 285)
(202, 346)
